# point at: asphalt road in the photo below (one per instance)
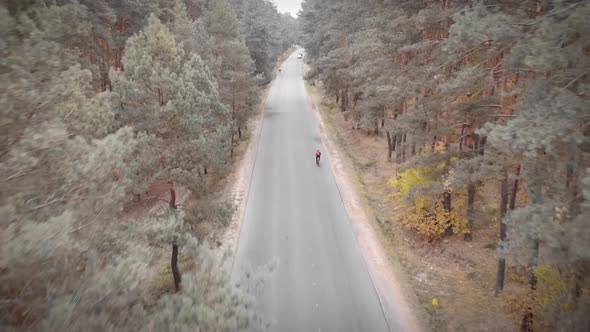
(294, 214)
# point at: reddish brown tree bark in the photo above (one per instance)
(172, 198)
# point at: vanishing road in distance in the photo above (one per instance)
(294, 214)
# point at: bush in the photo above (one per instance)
(426, 215)
(431, 220)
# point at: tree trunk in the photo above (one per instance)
(512, 204)
(343, 101)
(533, 263)
(572, 186)
(231, 146)
(461, 138)
(447, 196)
(389, 146)
(398, 152)
(172, 198)
(569, 175)
(503, 206)
(500, 275)
(526, 324)
(174, 266)
(346, 96)
(471, 188)
(447, 205)
(119, 52)
(482, 144)
(536, 198)
(470, 200)
(404, 148)
(527, 319)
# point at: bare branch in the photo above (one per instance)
(502, 115)
(90, 222)
(49, 202)
(20, 173)
(493, 106)
(575, 79)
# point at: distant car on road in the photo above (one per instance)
(300, 55)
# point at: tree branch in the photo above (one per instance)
(575, 79)
(90, 222)
(20, 173)
(493, 106)
(49, 203)
(502, 115)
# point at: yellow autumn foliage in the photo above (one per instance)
(408, 179)
(435, 303)
(431, 219)
(552, 296)
(552, 286)
(438, 147)
(426, 216)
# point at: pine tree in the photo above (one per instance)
(230, 62)
(175, 102)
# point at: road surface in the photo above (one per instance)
(294, 214)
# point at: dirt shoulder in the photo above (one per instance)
(448, 287)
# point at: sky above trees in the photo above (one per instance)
(288, 6)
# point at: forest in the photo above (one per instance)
(121, 120)
(102, 100)
(482, 108)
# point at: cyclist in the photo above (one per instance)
(318, 155)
